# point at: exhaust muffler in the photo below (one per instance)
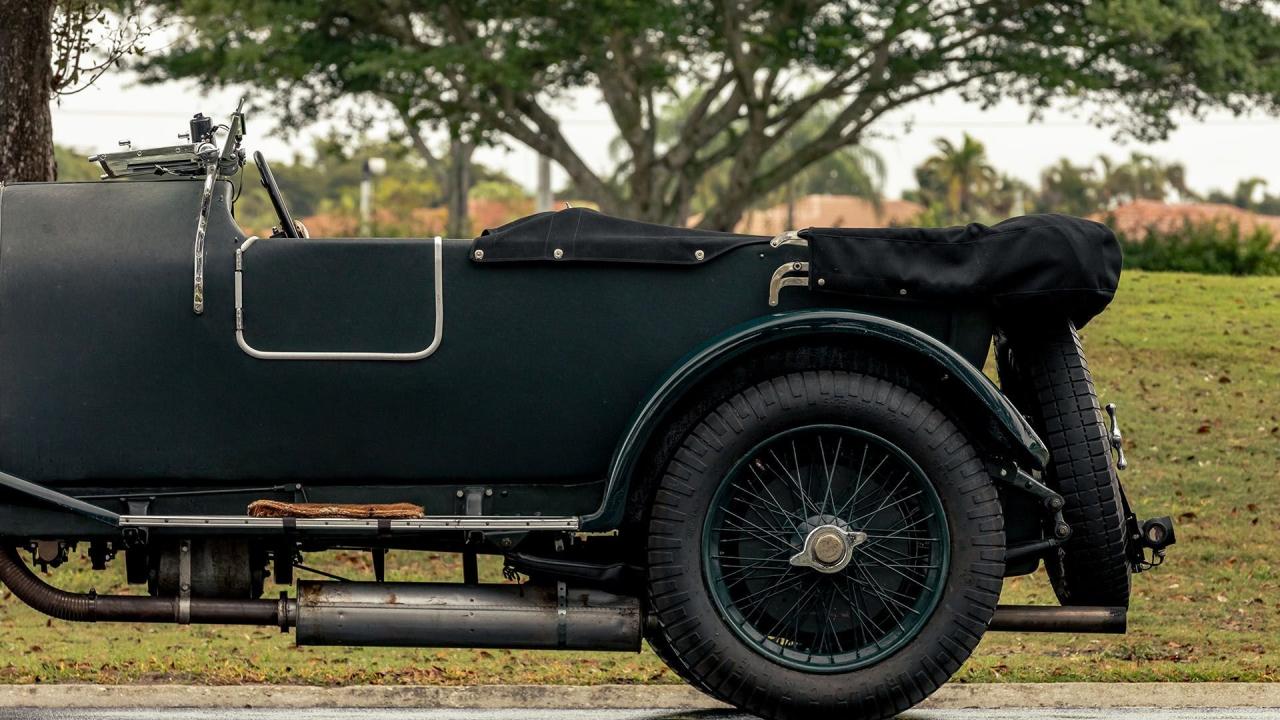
(449, 615)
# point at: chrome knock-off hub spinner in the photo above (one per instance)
(828, 548)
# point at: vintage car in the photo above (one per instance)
(777, 460)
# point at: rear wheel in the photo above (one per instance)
(1046, 375)
(823, 540)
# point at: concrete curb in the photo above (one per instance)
(622, 697)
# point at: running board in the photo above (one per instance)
(337, 526)
(53, 497)
(1043, 618)
(224, 523)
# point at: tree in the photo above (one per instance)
(1247, 189)
(26, 78)
(854, 170)
(1249, 194)
(1141, 177)
(50, 48)
(1068, 188)
(490, 70)
(326, 183)
(960, 174)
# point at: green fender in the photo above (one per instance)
(1004, 424)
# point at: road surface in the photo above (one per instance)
(519, 714)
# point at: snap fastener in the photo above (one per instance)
(558, 253)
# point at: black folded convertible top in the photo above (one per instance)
(586, 235)
(1025, 267)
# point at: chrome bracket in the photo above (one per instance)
(562, 614)
(208, 155)
(184, 583)
(790, 237)
(1116, 438)
(341, 355)
(781, 278)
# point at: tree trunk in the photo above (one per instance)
(544, 198)
(26, 128)
(791, 205)
(458, 188)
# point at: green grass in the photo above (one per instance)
(1194, 364)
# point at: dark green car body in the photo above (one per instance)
(546, 384)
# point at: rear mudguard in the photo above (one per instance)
(1000, 422)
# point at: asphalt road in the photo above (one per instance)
(518, 714)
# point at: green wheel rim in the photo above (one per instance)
(783, 591)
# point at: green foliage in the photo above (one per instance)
(73, 164)
(1141, 177)
(329, 185)
(1068, 188)
(1244, 197)
(488, 70)
(499, 190)
(958, 185)
(1208, 248)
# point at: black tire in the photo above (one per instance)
(696, 638)
(1045, 374)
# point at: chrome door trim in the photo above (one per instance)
(322, 355)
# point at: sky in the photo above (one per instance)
(1217, 150)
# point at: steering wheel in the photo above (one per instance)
(287, 225)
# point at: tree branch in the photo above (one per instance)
(415, 136)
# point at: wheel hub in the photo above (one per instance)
(828, 548)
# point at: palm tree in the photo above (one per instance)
(962, 172)
(1141, 177)
(1245, 192)
(1068, 188)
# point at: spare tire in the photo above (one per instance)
(1044, 372)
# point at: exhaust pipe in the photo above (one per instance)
(388, 614)
(1038, 618)
(445, 614)
(91, 607)
(466, 616)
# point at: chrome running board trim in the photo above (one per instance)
(338, 525)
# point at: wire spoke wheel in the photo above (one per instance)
(800, 554)
(826, 548)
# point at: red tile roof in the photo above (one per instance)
(1135, 217)
(829, 211)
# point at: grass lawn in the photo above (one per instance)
(1194, 364)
